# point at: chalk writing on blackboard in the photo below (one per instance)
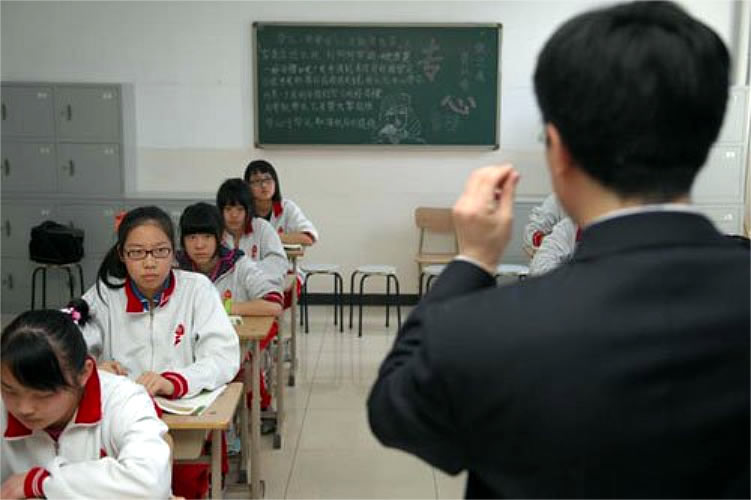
(376, 85)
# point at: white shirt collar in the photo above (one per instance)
(657, 207)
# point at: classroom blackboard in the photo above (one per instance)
(393, 85)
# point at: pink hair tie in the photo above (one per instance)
(73, 313)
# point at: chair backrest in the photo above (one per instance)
(434, 219)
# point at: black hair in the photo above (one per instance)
(112, 266)
(44, 349)
(264, 167)
(637, 92)
(202, 218)
(235, 192)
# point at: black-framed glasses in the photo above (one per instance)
(140, 253)
(262, 181)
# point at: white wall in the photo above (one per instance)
(189, 64)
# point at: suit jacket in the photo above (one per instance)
(623, 373)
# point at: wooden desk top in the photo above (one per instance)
(217, 416)
(295, 252)
(254, 327)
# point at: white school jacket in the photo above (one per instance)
(113, 447)
(187, 338)
(542, 220)
(245, 281)
(287, 217)
(262, 245)
(556, 248)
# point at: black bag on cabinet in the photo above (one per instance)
(53, 243)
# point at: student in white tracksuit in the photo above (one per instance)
(165, 329)
(244, 288)
(69, 430)
(283, 214)
(254, 236)
(542, 220)
(556, 248)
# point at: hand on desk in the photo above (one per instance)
(113, 367)
(155, 384)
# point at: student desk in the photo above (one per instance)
(251, 332)
(189, 432)
(293, 254)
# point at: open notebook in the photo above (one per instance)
(194, 405)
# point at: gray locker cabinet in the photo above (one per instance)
(16, 285)
(27, 112)
(727, 218)
(735, 124)
(87, 114)
(17, 221)
(28, 167)
(98, 222)
(721, 178)
(89, 168)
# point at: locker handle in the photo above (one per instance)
(4, 112)
(9, 281)
(6, 167)
(7, 228)
(69, 112)
(72, 168)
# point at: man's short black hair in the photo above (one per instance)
(638, 93)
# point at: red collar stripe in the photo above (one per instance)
(178, 382)
(249, 226)
(134, 304)
(32, 483)
(277, 208)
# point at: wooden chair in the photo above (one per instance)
(435, 221)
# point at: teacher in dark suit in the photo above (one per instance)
(625, 372)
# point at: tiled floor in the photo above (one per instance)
(328, 450)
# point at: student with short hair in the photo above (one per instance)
(164, 328)
(243, 287)
(251, 234)
(283, 214)
(69, 430)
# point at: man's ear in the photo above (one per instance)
(559, 157)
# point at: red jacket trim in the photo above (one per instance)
(32, 483)
(178, 382)
(278, 208)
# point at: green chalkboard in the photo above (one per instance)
(391, 85)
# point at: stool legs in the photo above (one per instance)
(359, 299)
(339, 297)
(351, 295)
(360, 296)
(71, 281)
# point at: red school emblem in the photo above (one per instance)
(254, 252)
(179, 333)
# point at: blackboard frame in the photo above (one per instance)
(254, 74)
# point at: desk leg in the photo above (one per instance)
(216, 464)
(293, 328)
(252, 373)
(279, 393)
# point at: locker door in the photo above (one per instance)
(17, 221)
(28, 166)
(89, 168)
(87, 114)
(27, 112)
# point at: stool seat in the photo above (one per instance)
(376, 269)
(433, 270)
(319, 268)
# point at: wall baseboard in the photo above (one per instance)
(369, 299)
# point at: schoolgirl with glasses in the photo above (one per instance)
(164, 328)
